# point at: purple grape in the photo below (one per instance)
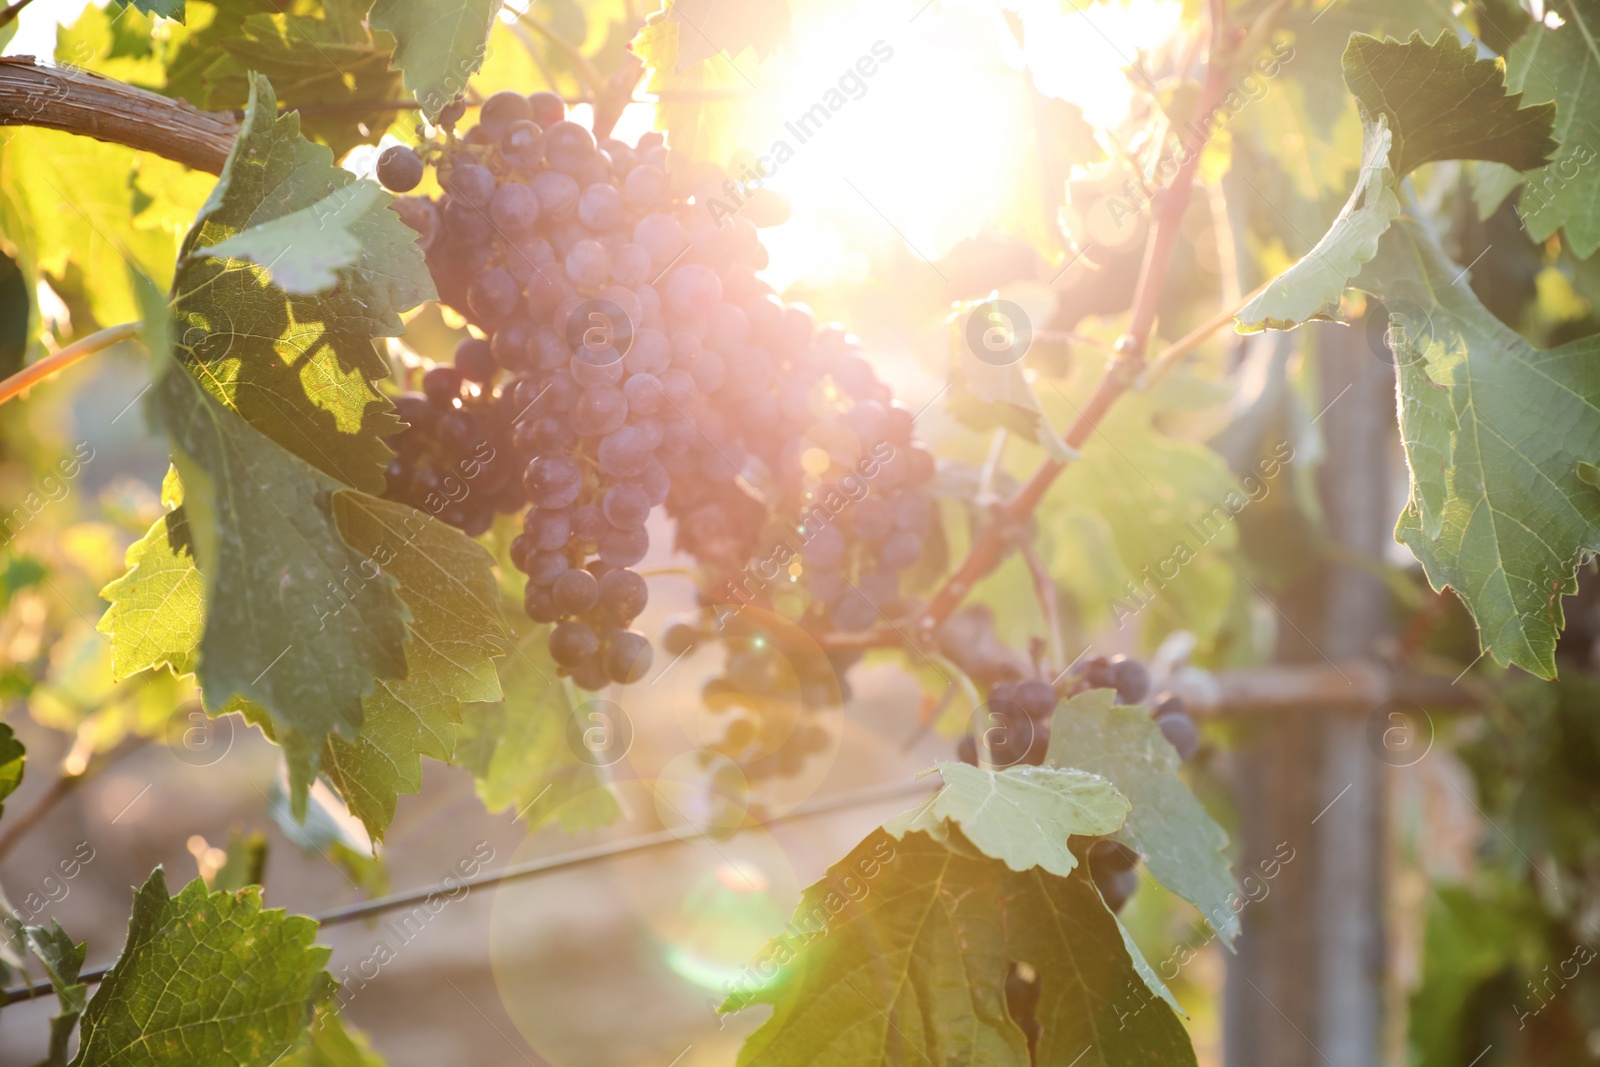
(514, 209)
(600, 207)
(475, 360)
(441, 385)
(693, 289)
(548, 530)
(662, 237)
(494, 295)
(623, 593)
(501, 110)
(655, 482)
(553, 482)
(548, 108)
(538, 604)
(568, 146)
(573, 644)
(522, 144)
(474, 184)
(624, 452)
(646, 187)
(630, 265)
(545, 567)
(588, 264)
(902, 549)
(626, 506)
(628, 658)
(399, 169)
(575, 592)
(1181, 733)
(557, 193)
(600, 410)
(624, 548)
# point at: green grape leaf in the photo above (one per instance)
(62, 960)
(333, 1044)
(13, 762)
(439, 44)
(300, 369)
(1181, 844)
(1443, 102)
(1021, 816)
(154, 618)
(304, 251)
(900, 955)
(1312, 287)
(172, 9)
(329, 65)
(208, 979)
(1563, 64)
(447, 581)
(1496, 435)
(987, 396)
(1142, 530)
(267, 542)
(520, 752)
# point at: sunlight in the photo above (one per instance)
(885, 133)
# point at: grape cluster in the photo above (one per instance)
(1017, 730)
(553, 247)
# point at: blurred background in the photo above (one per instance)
(1433, 847)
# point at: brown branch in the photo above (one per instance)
(1124, 370)
(9, 15)
(58, 790)
(76, 101)
(81, 349)
(1357, 687)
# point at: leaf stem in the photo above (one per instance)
(54, 364)
(9, 15)
(58, 790)
(1190, 341)
(1044, 587)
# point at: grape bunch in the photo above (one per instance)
(563, 254)
(1016, 728)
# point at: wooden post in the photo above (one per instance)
(1305, 988)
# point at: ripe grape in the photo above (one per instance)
(399, 169)
(575, 592)
(1181, 733)
(623, 594)
(501, 110)
(573, 643)
(628, 657)
(514, 208)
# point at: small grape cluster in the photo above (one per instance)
(1017, 728)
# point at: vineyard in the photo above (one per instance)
(792, 533)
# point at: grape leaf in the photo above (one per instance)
(1140, 526)
(519, 748)
(1312, 287)
(330, 65)
(1497, 436)
(205, 979)
(13, 762)
(440, 44)
(1021, 815)
(1181, 844)
(900, 955)
(1443, 102)
(62, 960)
(1564, 64)
(268, 544)
(303, 252)
(447, 581)
(333, 1044)
(154, 618)
(709, 27)
(172, 9)
(298, 368)
(987, 396)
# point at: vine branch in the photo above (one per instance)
(1125, 369)
(54, 364)
(80, 102)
